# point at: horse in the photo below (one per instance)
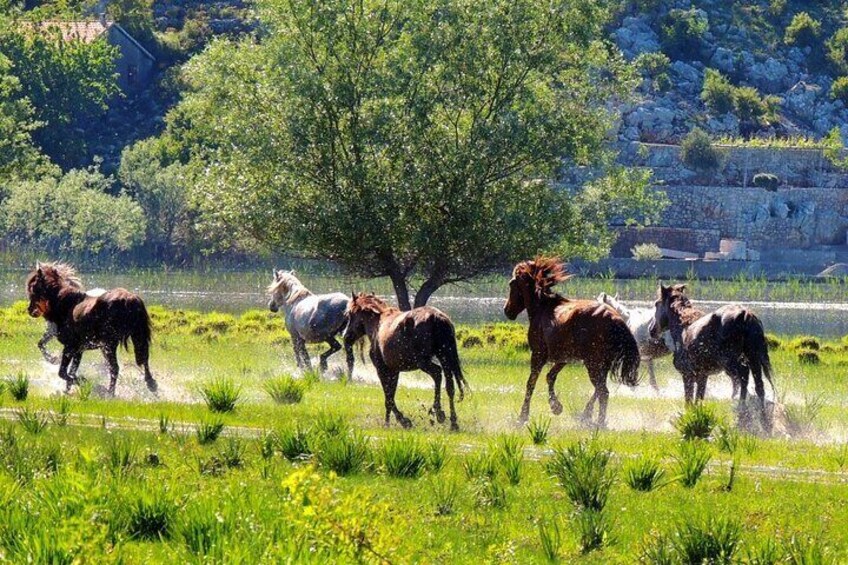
(310, 318)
(52, 330)
(638, 319)
(562, 330)
(731, 339)
(406, 341)
(86, 322)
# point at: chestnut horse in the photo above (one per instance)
(87, 322)
(731, 339)
(406, 341)
(563, 330)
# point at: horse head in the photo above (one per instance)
(44, 284)
(282, 288)
(530, 279)
(361, 310)
(666, 296)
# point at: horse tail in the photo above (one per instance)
(755, 348)
(624, 367)
(448, 355)
(141, 333)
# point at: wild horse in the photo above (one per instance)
(563, 330)
(87, 322)
(406, 341)
(730, 339)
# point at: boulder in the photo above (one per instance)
(635, 37)
(723, 60)
(769, 76)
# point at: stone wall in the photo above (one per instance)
(788, 218)
(694, 241)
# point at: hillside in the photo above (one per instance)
(771, 68)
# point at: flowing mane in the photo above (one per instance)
(57, 275)
(679, 302)
(367, 302)
(545, 272)
(288, 287)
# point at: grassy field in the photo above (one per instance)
(313, 476)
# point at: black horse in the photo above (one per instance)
(87, 322)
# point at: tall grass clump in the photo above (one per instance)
(403, 456)
(208, 430)
(765, 553)
(711, 539)
(202, 529)
(594, 529)
(538, 430)
(800, 419)
(150, 517)
(18, 386)
(330, 423)
(482, 465)
(437, 455)
(232, 452)
(510, 454)
(550, 539)
(61, 411)
(696, 421)
(293, 442)
(33, 421)
(692, 458)
(344, 454)
(221, 394)
(644, 475)
(800, 551)
(585, 473)
(490, 493)
(285, 390)
(445, 495)
(121, 454)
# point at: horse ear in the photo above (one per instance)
(664, 290)
(680, 287)
(38, 267)
(617, 297)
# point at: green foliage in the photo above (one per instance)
(208, 430)
(445, 495)
(767, 181)
(718, 94)
(232, 453)
(18, 386)
(808, 357)
(683, 31)
(482, 465)
(344, 454)
(403, 456)
(839, 89)
(150, 517)
(803, 31)
(654, 66)
(75, 212)
(135, 16)
(646, 252)
(710, 539)
(437, 139)
(643, 474)
(805, 342)
(748, 105)
(121, 454)
(436, 455)
(692, 458)
(293, 442)
(538, 430)
(697, 152)
(490, 493)
(594, 529)
(837, 49)
(510, 454)
(285, 389)
(584, 471)
(33, 421)
(221, 394)
(550, 539)
(696, 421)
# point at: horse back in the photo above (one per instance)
(578, 329)
(113, 315)
(318, 316)
(404, 338)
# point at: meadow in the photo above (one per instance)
(239, 459)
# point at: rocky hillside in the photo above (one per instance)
(735, 68)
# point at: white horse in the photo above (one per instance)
(637, 320)
(310, 318)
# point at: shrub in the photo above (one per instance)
(538, 429)
(748, 105)
(839, 89)
(85, 390)
(285, 390)
(837, 49)
(654, 67)
(767, 181)
(803, 31)
(294, 443)
(208, 430)
(683, 31)
(727, 439)
(809, 357)
(718, 94)
(805, 342)
(221, 394)
(18, 386)
(584, 471)
(343, 454)
(403, 457)
(805, 552)
(713, 539)
(646, 252)
(644, 474)
(692, 458)
(696, 421)
(698, 153)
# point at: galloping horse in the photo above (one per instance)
(87, 322)
(563, 330)
(730, 339)
(638, 320)
(406, 341)
(310, 318)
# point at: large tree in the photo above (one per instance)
(413, 139)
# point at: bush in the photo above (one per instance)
(18, 386)
(285, 390)
(644, 474)
(809, 357)
(839, 90)
(767, 181)
(803, 31)
(221, 395)
(646, 252)
(718, 94)
(801, 419)
(584, 471)
(654, 67)
(343, 454)
(692, 458)
(697, 152)
(696, 421)
(837, 49)
(683, 31)
(748, 105)
(403, 457)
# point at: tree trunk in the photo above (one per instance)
(427, 289)
(401, 291)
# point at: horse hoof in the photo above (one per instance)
(454, 427)
(556, 407)
(406, 423)
(152, 385)
(440, 417)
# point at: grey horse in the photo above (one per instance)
(310, 318)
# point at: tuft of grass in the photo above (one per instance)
(510, 454)
(550, 539)
(208, 430)
(330, 423)
(727, 439)
(18, 386)
(692, 458)
(164, 423)
(805, 342)
(202, 529)
(61, 411)
(696, 421)
(584, 471)
(84, 390)
(538, 429)
(765, 553)
(344, 454)
(285, 389)
(33, 421)
(150, 517)
(643, 475)
(490, 493)
(445, 495)
(232, 453)
(711, 539)
(800, 419)
(293, 443)
(773, 342)
(121, 454)
(268, 444)
(805, 552)
(437, 455)
(594, 529)
(808, 357)
(403, 456)
(221, 394)
(480, 465)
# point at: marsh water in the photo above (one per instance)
(817, 308)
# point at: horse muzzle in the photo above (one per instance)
(510, 313)
(38, 309)
(272, 306)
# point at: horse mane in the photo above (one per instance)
(367, 302)
(58, 275)
(545, 272)
(680, 303)
(288, 281)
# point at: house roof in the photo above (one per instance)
(86, 31)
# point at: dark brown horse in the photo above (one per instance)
(563, 330)
(730, 339)
(88, 322)
(406, 341)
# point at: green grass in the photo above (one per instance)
(221, 394)
(285, 390)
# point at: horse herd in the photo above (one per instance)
(609, 339)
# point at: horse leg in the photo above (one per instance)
(757, 372)
(537, 361)
(735, 382)
(298, 345)
(739, 374)
(454, 426)
(73, 368)
(688, 387)
(348, 347)
(436, 372)
(391, 406)
(334, 346)
(67, 356)
(556, 405)
(49, 334)
(652, 375)
(701, 383)
(110, 352)
(602, 392)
